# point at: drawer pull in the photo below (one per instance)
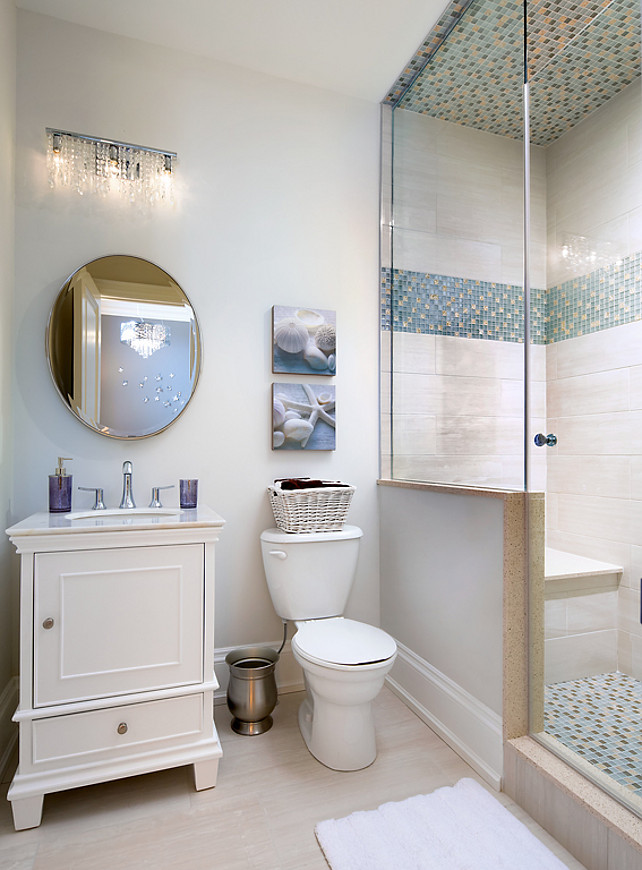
(48, 623)
(122, 728)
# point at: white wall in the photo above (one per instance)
(7, 149)
(277, 203)
(442, 599)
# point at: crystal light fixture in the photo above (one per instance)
(144, 337)
(88, 165)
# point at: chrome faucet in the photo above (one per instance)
(127, 501)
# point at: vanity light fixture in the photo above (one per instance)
(144, 337)
(88, 164)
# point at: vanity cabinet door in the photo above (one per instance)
(113, 621)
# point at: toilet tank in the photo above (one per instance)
(310, 575)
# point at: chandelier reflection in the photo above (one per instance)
(144, 337)
(583, 255)
(89, 165)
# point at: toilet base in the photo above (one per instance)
(341, 738)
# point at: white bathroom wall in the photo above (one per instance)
(442, 599)
(277, 203)
(7, 149)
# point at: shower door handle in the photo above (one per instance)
(542, 440)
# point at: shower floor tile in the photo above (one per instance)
(600, 718)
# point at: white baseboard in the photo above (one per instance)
(288, 673)
(8, 729)
(471, 728)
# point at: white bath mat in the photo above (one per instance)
(461, 827)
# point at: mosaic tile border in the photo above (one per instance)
(445, 305)
(599, 719)
(610, 296)
(434, 304)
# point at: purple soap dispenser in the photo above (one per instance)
(60, 488)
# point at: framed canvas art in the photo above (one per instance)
(304, 341)
(303, 417)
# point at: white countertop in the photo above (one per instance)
(111, 520)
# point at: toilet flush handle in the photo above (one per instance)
(279, 554)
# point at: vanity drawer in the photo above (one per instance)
(135, 728)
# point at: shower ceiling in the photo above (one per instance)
(581, 54)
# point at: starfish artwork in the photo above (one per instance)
(303, 417)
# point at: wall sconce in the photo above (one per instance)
(88, 165)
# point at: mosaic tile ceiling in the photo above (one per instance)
(469, 70)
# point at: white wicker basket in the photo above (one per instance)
(323, 509)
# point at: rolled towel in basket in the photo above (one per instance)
(306, 483)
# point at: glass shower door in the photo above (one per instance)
(586, 123)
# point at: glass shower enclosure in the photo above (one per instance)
(511, 307)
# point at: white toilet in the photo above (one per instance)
(344, 662)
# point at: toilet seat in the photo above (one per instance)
(343, 642)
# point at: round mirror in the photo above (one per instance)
(123, 347)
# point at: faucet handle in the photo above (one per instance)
(99, 504)
(156, 502)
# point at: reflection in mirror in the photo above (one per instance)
(123, 347)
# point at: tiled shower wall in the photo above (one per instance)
(594, 374)
(457, 391)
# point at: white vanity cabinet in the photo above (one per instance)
(116, 650)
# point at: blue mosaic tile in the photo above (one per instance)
(469, 69)
(609, 296)
(448, 305)
(599, 719)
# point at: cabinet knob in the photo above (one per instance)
(48, 623)
(122, 728)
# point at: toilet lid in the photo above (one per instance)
(343, 641)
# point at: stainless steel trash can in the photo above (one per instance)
(251, 692)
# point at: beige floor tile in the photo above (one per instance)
(261, 815)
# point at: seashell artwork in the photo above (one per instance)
(315, 358)
(312, 319)
(325, 337)
(278, 413)
(304, 340)
(309, 418)
(290, 335)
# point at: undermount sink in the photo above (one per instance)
(124, 513)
